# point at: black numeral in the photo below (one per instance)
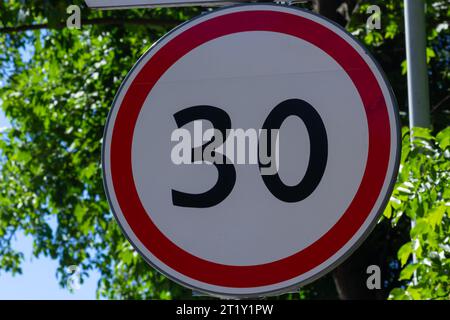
(227, 173)
(318, 150)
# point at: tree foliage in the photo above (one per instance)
(56, 87)
(422, 195)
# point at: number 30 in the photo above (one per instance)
(227, 172)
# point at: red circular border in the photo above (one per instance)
(325, 247)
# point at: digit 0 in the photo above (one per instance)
(318, 150)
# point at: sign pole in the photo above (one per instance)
(418, 95)
(416, 57)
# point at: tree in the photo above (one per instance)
(422, 194)
(57, 101)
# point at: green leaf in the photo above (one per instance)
(430, 54)
(79, 212)
(388, 211)
(126, 256)
(435, 216)
(404, 66)
(89, 171)
(408, 271)
(23, 156)
(420, 228)
(413, 293)
(397, 294)
(443, 138)
(404, 253)
(423, 133)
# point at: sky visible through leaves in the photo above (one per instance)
(38, 278)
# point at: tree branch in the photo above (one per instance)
(96, 21)
(440, 103)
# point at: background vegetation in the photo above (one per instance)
(57, 85)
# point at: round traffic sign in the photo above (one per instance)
(229, 228)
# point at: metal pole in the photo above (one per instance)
(418, 95)
(416, 57)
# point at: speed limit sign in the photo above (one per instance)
(250, 150)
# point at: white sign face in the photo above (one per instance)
(228, 228)
(127, 4)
